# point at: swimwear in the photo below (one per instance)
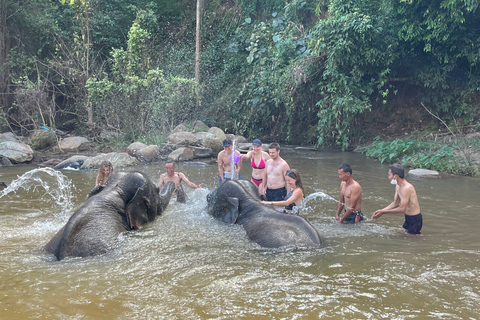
(227, 175)
(276, 194)
(260, 166)
(413, 224)
(289, 208)
(257, 182)
(354, 217)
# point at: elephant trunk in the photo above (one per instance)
(165, 194)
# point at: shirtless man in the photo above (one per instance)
(405, 201)
(224, 164)
(274, 175)
(350, 197)
(177, 178)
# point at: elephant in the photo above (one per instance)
(237, 201)
(127, 202)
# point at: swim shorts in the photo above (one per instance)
(228, 177)
(352, 218)
(413, 224)
(276, 194)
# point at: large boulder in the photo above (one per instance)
(148, 154)
(213, 142)
(122, 159)
(200, 152)
(74, 162)
(183, 138)
(424, 173)
(181, 154)
(198, 125)
(8, 136)
(74, 144)
(42, 138)
(181, 128)
(218, 133)
(134, 147)
(16, 152)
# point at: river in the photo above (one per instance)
(186, 265)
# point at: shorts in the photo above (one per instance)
(276, 194)
(257, 182)
(413, 224)
(352, 218)
(225, 178)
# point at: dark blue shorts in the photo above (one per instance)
(413, 224)
(352, 217)
(276, 194)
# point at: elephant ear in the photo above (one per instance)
(136, 210)
(232, 212)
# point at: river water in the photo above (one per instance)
(186, 265)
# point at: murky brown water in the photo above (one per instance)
(187, 266)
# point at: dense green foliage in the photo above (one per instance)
(448, 158)
(301, 71)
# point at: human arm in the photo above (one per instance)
(220, 165)
(341, 202)
(265, 177)
(161, 182)
(397, 206)
(285, 168)
(97, 180)
(188, 182)
(297, 194)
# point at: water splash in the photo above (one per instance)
(59, 188)
(313, 196)
(234, 159)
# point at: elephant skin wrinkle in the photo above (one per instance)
(127, 202)
(237, 201)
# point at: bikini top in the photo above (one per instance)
(260, 166)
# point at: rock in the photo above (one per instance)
(240, 139)
(218, 133)
(74, 144)
(50, 163)
(199, 125)
(213, 142)
(199, 152)
(181, 154)
(183, 138)
(42, 138)
(201, 136)
(121, 159)
(134, 147)
(16, 152)
(8, 136)
(5, 162)
(424, 173)
(108, 135)
(74, 162)
(180, 128)
(148, 154)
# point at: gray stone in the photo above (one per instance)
(213, 142)
(202, 152)
(74, 162)
(74, 144)
(181, 154)
(8, 136)
(42, 138)
(218, 133)
(121, 159)
(180, 128)
(424, 173)
(148, 154)
(199, 125)
(183, 138)
(16, 152)
(134, 147)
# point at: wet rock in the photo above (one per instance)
(148, 154)
(50, 163)
(74, 162)
(8, 136)
(121, 159)
(134, 147)
(183, 138)
(424, 173)
(199, 152)
(213, 142)
(181, 154)
(5, 162)
(16, 152)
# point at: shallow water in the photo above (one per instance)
(186, 265)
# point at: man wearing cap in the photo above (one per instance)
(224, 164)
(274, 182)
(259, 158)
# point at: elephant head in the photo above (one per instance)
(127, 202)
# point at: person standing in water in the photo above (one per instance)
(350, 197)
(405, 201)
(104, 172)
(259, 157)
(177, 178)
(224, 164)
(274, 181)
(295, 196)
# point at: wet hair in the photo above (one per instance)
(345, 167)
(274, 145)
(104, 164)
(170, 161)
(397, 169)
(294, 174)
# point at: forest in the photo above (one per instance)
(329, 73)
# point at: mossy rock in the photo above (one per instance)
(42, 138)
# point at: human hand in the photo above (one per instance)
(377, 214)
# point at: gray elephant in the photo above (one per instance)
(127, 202)
(237, 201)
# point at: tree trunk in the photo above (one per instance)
(197, 49)
(5, 96)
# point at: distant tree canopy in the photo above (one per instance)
(296, 71)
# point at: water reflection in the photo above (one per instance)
(186, 265)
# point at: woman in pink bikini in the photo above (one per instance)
(259, 157)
